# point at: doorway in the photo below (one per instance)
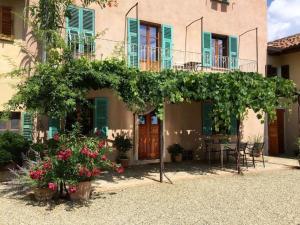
(276, 134)
(149, 137)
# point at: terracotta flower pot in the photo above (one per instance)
(124, 162)
(43, 194)
(83, 191)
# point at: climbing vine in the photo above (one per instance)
(57, 88)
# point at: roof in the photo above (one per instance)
(284, 44)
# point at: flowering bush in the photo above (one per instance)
(71, 158)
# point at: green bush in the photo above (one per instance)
(5, 157)
(15, 144)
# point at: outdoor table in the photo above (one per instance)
(222, 147)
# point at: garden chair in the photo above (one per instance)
(211, 148)
(242, 151)
(255, 151)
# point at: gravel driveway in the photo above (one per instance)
(263, 198)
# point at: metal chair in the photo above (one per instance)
(257, 150)
(242, 151)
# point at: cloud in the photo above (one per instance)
(283, 18)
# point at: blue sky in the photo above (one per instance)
(283, 18)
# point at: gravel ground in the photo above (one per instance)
(271, 197)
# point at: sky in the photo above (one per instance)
(283, 18)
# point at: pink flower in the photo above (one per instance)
(52, 186)
(47, 165)
(37, 174)
(104, 158)
(85, 151)
(56, 137)
(97, 133)
(120, 170)
(101, 144)
(88, 173)
(72, 189)
(96, 172)
(93, 155)
(64, 155)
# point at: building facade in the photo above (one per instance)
(202, 35)
(283, 60)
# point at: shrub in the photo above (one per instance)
(5, 157)
(175, 149)
(15, 144)
(123, 144)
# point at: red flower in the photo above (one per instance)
(85, 151)
(72, 189)
(56, 137)
(96, 172)
(104, 158)
(37, 174)
(120, 169)
(97, 132)
(47, 165)
(83, 171)
(64, 155)
(101, 144)
(93, 155)
(52, 186)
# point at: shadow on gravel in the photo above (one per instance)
(149, 171)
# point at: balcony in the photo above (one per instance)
(154, 58)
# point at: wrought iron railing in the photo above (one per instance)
(153, 58)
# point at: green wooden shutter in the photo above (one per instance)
(73, 22)
(233, 52)
(27, 125)
(233, 126)
(206, 49)
(101, 116)
(207, 121)
(88, 30)
(133, 34)
(167, 45)
(53, 127)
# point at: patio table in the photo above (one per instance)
(222, 147)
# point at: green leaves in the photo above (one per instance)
(58, 89)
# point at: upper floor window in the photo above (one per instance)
(6, 22)
(81, 30)
(149, 46)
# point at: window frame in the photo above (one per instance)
(4, 36)
(8, 124)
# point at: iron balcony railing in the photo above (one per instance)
(157, 58)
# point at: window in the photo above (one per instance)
(81, 30)
(285, 71)
(13, 123)
(219, 51)
(6, 22)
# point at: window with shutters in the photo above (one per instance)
(81, 30)
(13, 123)
(219, 51)
(6, 23)
(149, 46)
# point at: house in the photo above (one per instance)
(201, 35)
(283, 60)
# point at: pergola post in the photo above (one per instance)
(238, 167)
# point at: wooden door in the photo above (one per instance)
(149, 137)
(276, 134)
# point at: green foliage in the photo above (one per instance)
(5, 157)
(175, 149)
(15, 144)
(59, 87)
(123, 144)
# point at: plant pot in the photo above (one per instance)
(43, 194)
(83, 191)
(124, 162)
(177, 158)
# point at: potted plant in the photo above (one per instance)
(123, 144)
(176, 151)
(43, 180)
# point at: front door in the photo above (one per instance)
(276, 134)
(149, 137)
